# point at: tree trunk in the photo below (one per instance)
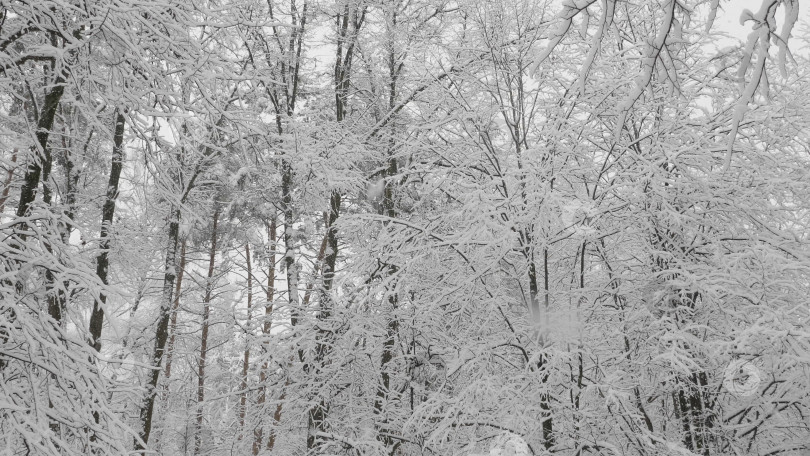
(271, 441)
(175, 310)
(39, 166)
(317, 267)
(17, 108)
(162, 332)
(290, 264)
(384, 388)
(248, 332)
(167, 372)
(317, 413)
(344, 55)
(268, 312)
(389, 209)
(209, 285)
(545, 400)
(7, 183)
(107, 213)
(72, 176)
(42, 154)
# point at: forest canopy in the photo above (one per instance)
(404, 227)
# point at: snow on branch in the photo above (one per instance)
(571, 8)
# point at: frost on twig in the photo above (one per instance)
(608, 7)
(791, 17)
(653, 51)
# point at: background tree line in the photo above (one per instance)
(401, 227)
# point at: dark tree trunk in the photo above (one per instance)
(389, 209)
(290, 264)
(344, 55)
(268, 315)
(209, 285)
(39, 166)
(42, 154)
(248, 332)
(107, 213)
(162, 332)
(384, 389)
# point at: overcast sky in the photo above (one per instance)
(728, 20)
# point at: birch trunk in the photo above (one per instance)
(7, 183)
(175, 310)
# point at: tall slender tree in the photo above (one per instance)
(206, 314)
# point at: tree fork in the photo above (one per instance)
(42, 153)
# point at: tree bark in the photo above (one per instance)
(107, 213)
(209, 285)
(344, 55)
(7, 183)
(175, 310)
(162, 332)
(248, 332)
(290, 264)
(384, 388)
(390, 210)
(39, 166)
(42, 154)
(17, 108)
(268, 312)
